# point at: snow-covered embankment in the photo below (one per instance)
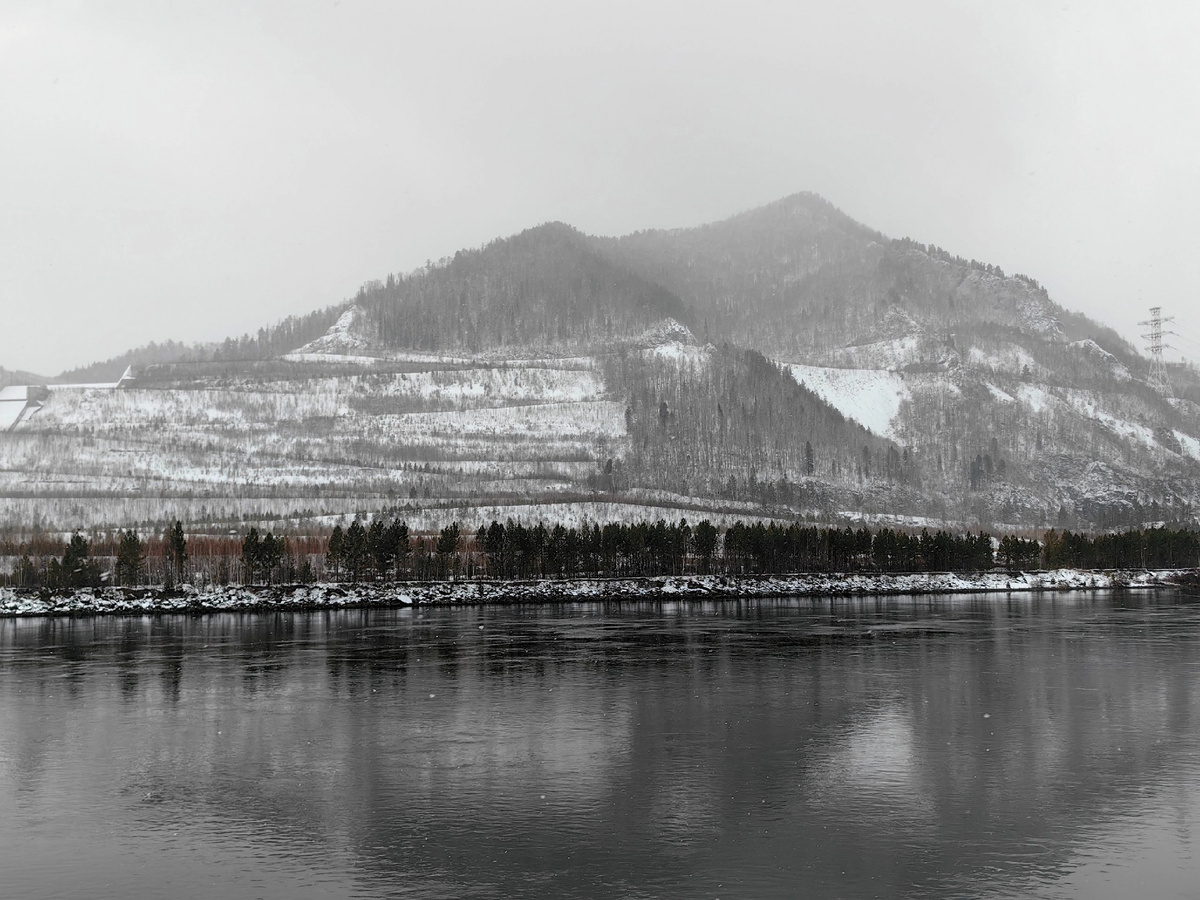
(189, 599)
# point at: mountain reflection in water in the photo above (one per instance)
(924, 747)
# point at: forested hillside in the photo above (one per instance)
(16, 376)
(799, 277)
(268, 342)
(729, 423)
(543, 288)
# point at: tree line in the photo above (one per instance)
(1155, 548)
(382, 552)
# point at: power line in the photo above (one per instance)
(1187, 347)
(1184, 343)
(1154, 344)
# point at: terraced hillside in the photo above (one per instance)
(218, 443)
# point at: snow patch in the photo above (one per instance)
(340, 337)
(433, 359)
(1191, 446)
(1012, 358)
(671, 340)
(1036, 398)
(683, 355)
(999, 395)
(338, 358)
(872, 397)
(496, 386)
(1132, 431)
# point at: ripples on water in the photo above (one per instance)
(944, 747)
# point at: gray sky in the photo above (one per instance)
(192, 171)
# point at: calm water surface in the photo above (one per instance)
(929, 747)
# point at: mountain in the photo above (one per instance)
(785, 362)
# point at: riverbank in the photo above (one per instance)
(230, 598)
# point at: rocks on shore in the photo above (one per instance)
(231, 598)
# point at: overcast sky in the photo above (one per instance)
(195, 171)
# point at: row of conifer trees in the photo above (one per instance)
(381, 551)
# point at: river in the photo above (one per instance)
(933, 747)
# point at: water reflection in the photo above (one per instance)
(928, 747)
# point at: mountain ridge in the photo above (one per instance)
(266, 342)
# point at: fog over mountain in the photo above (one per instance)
(190, 172)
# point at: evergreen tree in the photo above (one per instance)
(397, 539)
(334, 556)
(381, 549)
(130, 558)
(76, 570)
(495, 544)
(251, 548)
(704, 540)
(176, 547)
(447, 545)
(354, 549)
(270, 554)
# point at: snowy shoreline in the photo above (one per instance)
(197, 600)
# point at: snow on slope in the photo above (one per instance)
(673, 341)
(1090, 348)
(543, 421)
(1012, 358)
(300, 399)
(683, 355)
(998, 395)
(338, 358)
(10, 412)
(1191, 446)
(495, 386)
(106, 411)
(1087, 405)
(317, 442)
(871, 397)
(340, 337)
(1034, 397)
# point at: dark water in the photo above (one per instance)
(948, 747)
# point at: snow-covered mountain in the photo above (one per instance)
(785, 362)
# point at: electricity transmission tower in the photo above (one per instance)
(1154, 344)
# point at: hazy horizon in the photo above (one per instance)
(199, 172)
